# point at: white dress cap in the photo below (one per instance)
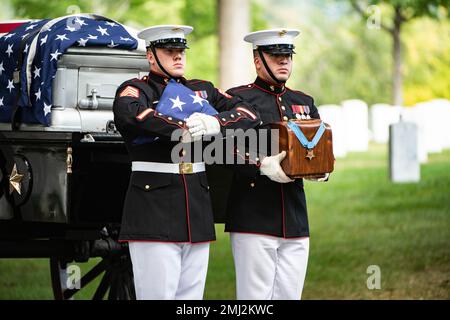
(271, 37)
(164, 32)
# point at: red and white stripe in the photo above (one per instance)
(144, 114)
(246, 112)
(202, 94)
(9, 25)
(130, 91)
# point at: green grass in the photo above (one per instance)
(357, 219)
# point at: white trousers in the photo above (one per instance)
(169, 271)
(269, 268)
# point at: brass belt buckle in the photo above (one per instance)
(186, 168)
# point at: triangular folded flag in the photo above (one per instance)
(180, 102)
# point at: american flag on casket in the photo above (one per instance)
(40, 44)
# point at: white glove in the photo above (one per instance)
(270, 166)
(186, 137)
(200, 124)
(324, 179)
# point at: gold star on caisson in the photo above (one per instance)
(310, 154)
(14, 180)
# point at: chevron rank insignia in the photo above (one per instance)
(130, 91)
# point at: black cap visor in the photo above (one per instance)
(171, 43)
(278, 49)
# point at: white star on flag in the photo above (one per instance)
(80, 22)
(177, 103)
(9, 36)
(9, 50)
(71, 29)
(1, 101)
(26, 48)
(197, 99)
(92, 37)
(30, 27)
(102, 31)
(37, 72)
(125, 39)
(55, 55)
(61, 37)
(112, 45)
(1, 68)
(38, 94)
(25, 35)
(44, 39)
(82, 42)
(10, 85)
(47, 109)
(112, 24)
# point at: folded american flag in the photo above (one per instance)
(177, 101)
(44, 49)
(180, 102)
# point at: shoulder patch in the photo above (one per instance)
(130, 91)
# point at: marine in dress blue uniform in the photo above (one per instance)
(167, 216)
(266, 212)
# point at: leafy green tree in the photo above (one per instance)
(402, 11)
(137, 13)
(340, 60)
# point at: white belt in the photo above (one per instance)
(179, 168)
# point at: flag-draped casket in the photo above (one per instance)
(61, 159)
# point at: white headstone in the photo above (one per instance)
(381, 116)
(429, 118)
(333, 115)
(411, 114)
(356, 125)
(404, 163)
(442, 109)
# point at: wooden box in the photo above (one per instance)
(301, 162)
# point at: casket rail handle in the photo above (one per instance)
(91, 102)
(69, 160)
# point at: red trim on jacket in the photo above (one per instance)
(223, 124)
(279, 107)
(247, 112)
(246, 87)
(282, 208)
(144, 114)
(272, 93)
(271, 83)
(187, 207)
(196, 81)
(168, 121)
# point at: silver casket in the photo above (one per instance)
(76, 170)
